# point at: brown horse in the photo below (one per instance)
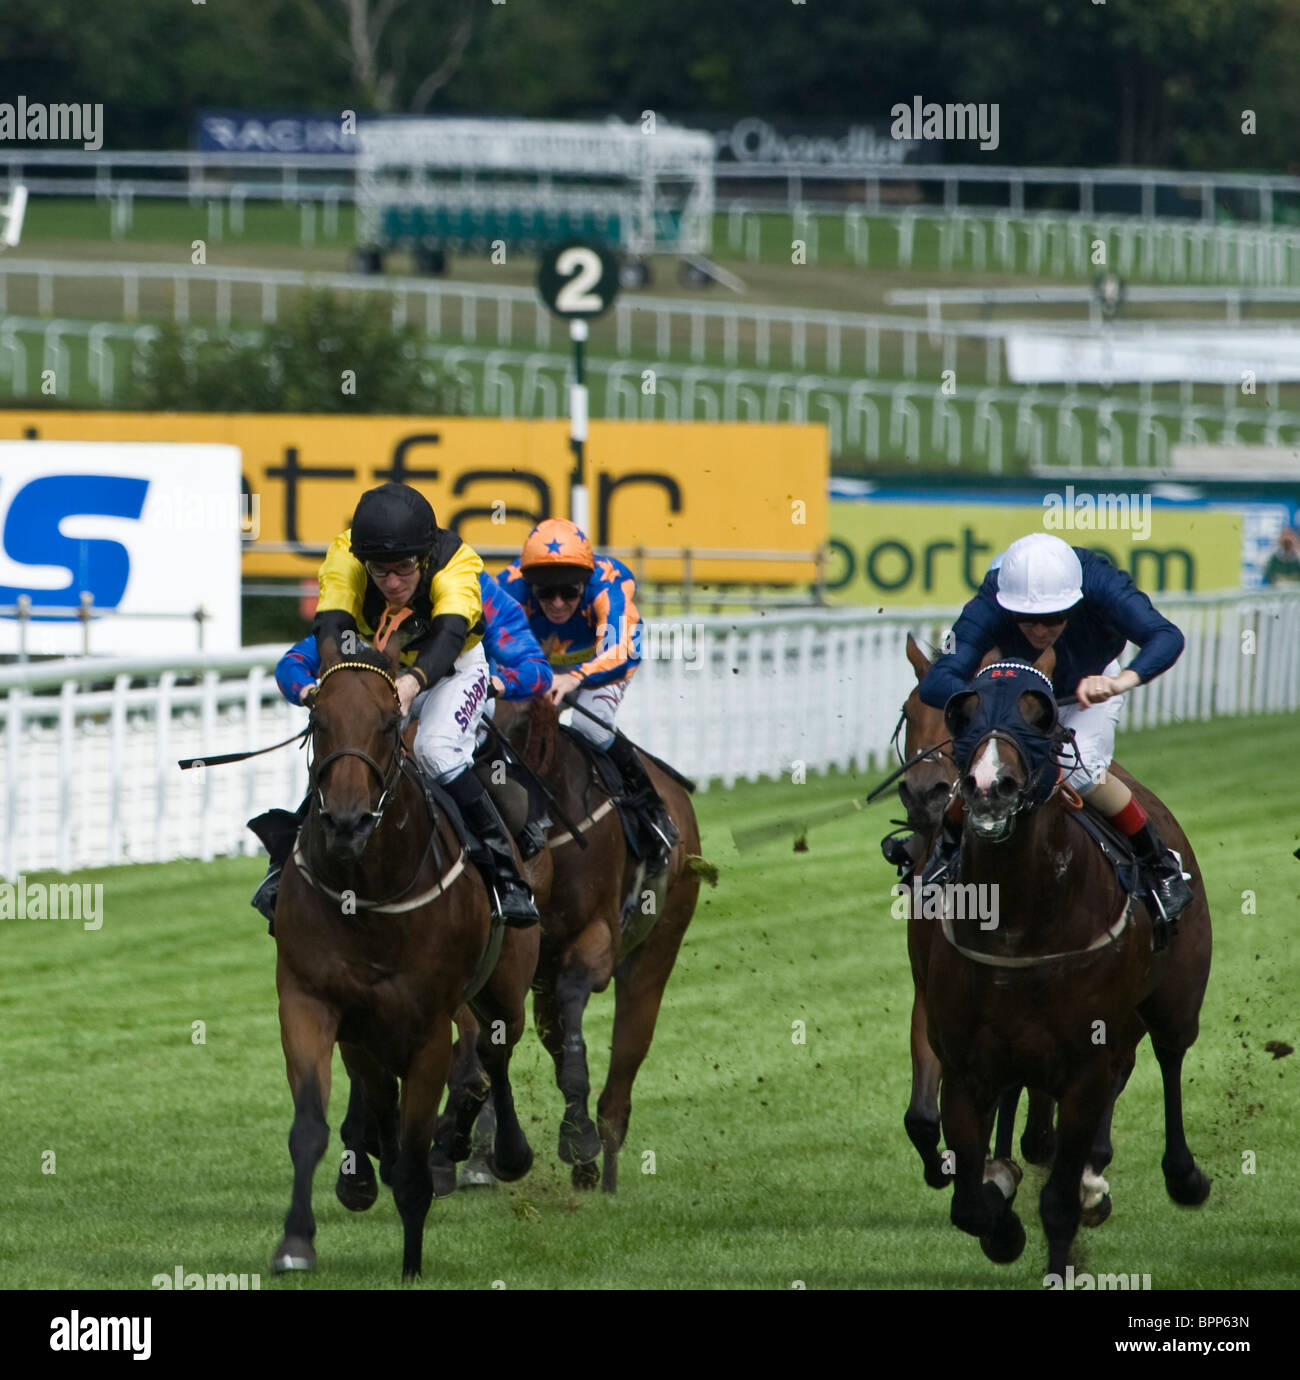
(1059, 994)
(589, 936)
(926, 790)
(381, 929)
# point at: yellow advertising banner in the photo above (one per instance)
(919, 552)
(725, 487)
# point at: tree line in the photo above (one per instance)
(1092, 82)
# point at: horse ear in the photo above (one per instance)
(329, 651)
(1037, 710)
(993, 654)
(959, 710)
(1046, 663)
(920, 662)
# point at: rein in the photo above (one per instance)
(389, 779)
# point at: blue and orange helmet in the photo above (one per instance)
(557, 552)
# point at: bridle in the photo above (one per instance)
(387, 778)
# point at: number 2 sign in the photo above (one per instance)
(578, 280)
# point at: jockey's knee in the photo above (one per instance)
(1106, 793)
(443, 762)
(599, 735)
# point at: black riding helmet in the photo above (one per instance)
(392, 522)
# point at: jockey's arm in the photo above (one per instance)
(444, 645)
(1160, 643)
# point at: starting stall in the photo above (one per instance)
(430, 186)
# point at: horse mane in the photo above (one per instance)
(543, 728)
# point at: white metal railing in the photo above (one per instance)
(88, 770)
(293, 177)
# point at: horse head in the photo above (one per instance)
(927, 785)
(1004, 734)
(356, 726)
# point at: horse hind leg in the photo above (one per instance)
(356, 1187)
(1185, 1182)
(1094, 1191)
(580, 1142)
(511, 1157)
(638, 992)
(468, 1091)
(1038, 1141)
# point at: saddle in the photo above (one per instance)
(636, 831)
(635, 920)
(1115, 848)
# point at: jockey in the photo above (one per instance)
(582, 612)
(1044, 593)
(395, 571)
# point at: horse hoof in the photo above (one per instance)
(443, 1174)
(936, 1176)
(507, 1171)
(293, 1253)
(579, 1142)
(586, 1175)
(477, 1173)
(1094, 1216)
(356, 1193)
(1007, 1244)
(1190, 1190)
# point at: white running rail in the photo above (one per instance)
(88, 773)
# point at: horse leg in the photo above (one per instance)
(467, 1092)
(512, 1156)
(589, 968)
(1185, 1183)
(1008, 1102)
(412, 1178)
(1094, 1192)
(307, 1030)
(1079, 1114)
(921, 1120)
(980, 1206)
(356, 1187)
(1038, 1142)
(639, 984)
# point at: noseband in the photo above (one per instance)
(387, 778)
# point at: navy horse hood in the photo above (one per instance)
(1015, 699)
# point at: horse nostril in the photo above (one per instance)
(939, 792)
(1006, 787)
(905, 793)
(968, 783)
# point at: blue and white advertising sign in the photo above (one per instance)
(242, 131)
(150, 532)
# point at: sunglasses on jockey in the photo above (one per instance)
(545, 593)
(1048, 620)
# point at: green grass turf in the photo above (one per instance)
(774, 1162)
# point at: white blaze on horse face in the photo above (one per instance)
(987, 767)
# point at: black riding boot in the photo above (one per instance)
(644, 799)
(904, 853)
(946, 855)
(277, 830)
(512, 898)
(1162, 875)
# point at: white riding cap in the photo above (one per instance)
(1039, 574)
